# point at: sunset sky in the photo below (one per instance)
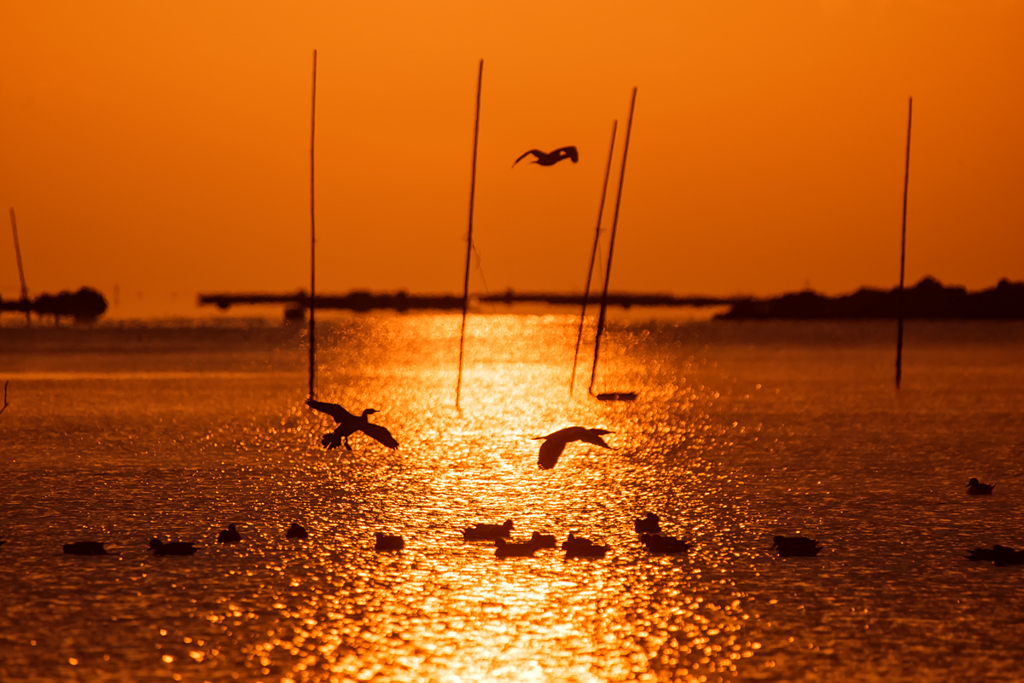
(164, 147)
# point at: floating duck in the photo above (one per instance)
(84, 548)
(296, 531)
(577, 546)
(663, 545)
(1001, 555)
(543, 540)
(976, 488)
(173, 548)
(796, 546)
(651, 524)
(555, 443)
(349, 424)
(488, 532)
(506, 549)
(229, 535)
(551, 158)
(387, 542)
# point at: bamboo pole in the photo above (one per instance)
(21, 270)
(593, 257)
(611, 246)
(903, 252)
(469, 238)
(312, 242)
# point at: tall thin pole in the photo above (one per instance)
(21, 270)
(469, 237)
(593, 257)
(312, 243)
(611, 245)
(903, 253)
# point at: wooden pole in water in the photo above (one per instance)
(312, 244)
(469, 238)
(593, 257)
(611, 246)
(21, 270)
(903, 253)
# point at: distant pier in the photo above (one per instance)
(297, 303)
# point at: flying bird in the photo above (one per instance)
(551, 158)
(349, 424)
(555, 443)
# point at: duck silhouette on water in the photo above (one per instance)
(796, 546)
(488, 532)
(229, 535)
(577, 546)
(651, 524)
(295, 531)
(556, 442)
(551, 158)
(976, 488)
(349, 424)
(173, 548)
(84, 548)
(387, 542)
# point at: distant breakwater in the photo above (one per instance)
(928, 300)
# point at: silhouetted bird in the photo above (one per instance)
(544, 540)
(506, 549)
(651, 524)
(576, 546)
(796, 546)
(296, 531)
(172, 548)
(488, 532)
(388, 542)
(976, 488)
(663, 545)
(229, 535)
(551, 158)
(2, 542)
(555, 443)
(349, 424)
(84, 548)
(1001, 555)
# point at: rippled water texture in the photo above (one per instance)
(742, 431)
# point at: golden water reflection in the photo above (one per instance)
(446, 610)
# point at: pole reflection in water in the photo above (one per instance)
(742, 432)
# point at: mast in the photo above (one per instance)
(903, 253)
(469, 237)
(611, 245)
(312, 244)
(21, 270)
(593, 256)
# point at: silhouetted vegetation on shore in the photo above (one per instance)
(85, 305)
(929, 299)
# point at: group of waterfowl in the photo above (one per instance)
(229, 535)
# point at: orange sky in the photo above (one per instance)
(163, 147)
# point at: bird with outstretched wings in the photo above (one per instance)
(556, 442)
(349, 424)
(551, 158)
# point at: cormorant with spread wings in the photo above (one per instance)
(552, 158)
(555, 443)
(349, 424)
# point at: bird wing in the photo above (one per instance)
(333, 409)
(535, 152)
(380, 434)
(549, 452)
(594, 436)
(569, 151)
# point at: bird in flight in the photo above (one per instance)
(551, 158)
(555, 443)
(349, 424)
